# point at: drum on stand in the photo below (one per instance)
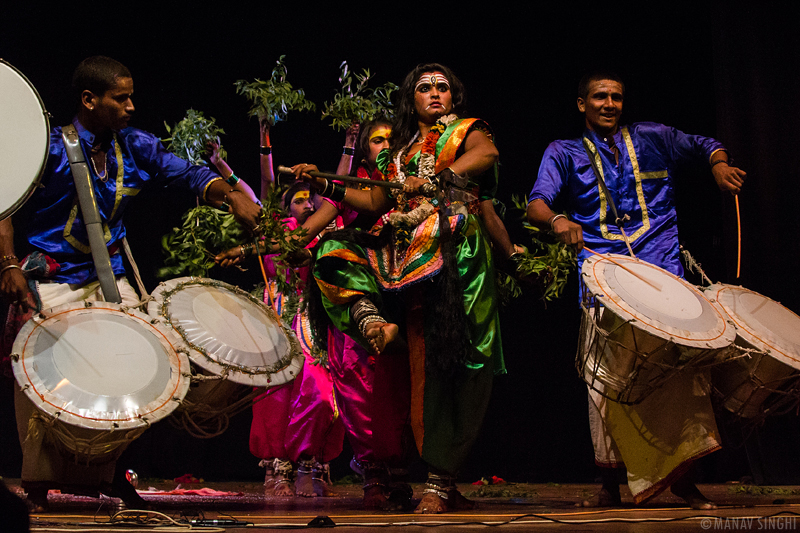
(100, 375)
(234, 341)
(24, 138)
(643, 325)
(765, 379)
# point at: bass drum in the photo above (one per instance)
(24, 137)
(641, 325)
(235, 343)
(765, 378)
(100, 374)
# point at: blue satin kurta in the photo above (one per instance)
(54, 223)
(642, 186)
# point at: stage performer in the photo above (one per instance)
(60, 270)
(637, 163)
(429, 273)
(298, 422)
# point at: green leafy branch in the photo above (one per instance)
(546, 265)
(272, 100)
(360, 104)
(190, 249)
(189, 137)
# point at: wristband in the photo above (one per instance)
(8, 258)
(718, 161)
(233, 179)
(266, 150)
(349, 151)
(336, 192)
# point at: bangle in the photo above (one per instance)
(553, 219)
(349, 151)
(9, 267)
(337, 192)
(224, 207)
(266, 150)
(718, 161)
(8, 258)
(233, 179)
(324, 192)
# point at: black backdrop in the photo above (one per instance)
(723, 69)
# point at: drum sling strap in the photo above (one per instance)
(620, 222)
(90, 213)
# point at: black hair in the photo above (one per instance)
(597, 75)
(97, 74)
(405, 125)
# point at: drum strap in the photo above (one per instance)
(620, 222)
(90, 213)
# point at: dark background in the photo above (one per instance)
(723, 69)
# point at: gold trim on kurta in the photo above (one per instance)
(654, 175)
(639, 192)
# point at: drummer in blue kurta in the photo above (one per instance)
(60, 269)
(637, 163)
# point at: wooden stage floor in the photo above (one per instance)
(523, 507)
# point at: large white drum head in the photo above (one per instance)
(96, 366)
(228, 331)
(661, 303)
(762, 322)
(24, 139)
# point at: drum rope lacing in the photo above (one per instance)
(84, 450)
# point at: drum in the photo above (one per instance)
(234, 342)
(641, 325)
(24, 137)
(765, 379)
(100, 374)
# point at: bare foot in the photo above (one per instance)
(433, 503)
(692, 495)
(604, 498)
(278, 486)
(379, 334)
(304, 484)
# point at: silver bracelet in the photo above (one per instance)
(8, 267)
(553, 219)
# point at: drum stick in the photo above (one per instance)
(739, 230)
(654, 284)
(388, 184)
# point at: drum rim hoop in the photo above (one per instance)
(722, 339)
(293, 361)
(179, 382)
(744, 331)
(16, 206)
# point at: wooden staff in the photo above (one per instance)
(388, 184)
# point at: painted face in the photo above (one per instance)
(301, 206)
(113, 108)
(432, 97)
(378, 140)
(602, 106)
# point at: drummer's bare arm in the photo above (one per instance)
(566, 231)
(240, 202)
(373, 200)
(728, 178)
(13, 284)
(267, 170)
(498, 234)
(350, 138)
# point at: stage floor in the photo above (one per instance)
(520, 506)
